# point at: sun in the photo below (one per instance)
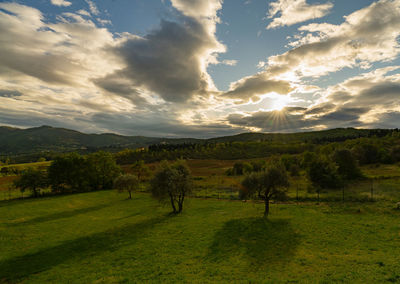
(279, 102)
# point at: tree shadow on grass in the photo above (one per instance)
(19, 268)
(260, 241)
(59, 215)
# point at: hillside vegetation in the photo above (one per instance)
(28, 145)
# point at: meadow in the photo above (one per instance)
(101, 237)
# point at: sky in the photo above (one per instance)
(200, 68)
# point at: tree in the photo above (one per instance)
(323, 174)
(267, 185)
(172, 183)
(347, 164)
(366, 153)
(69, 172)
(102, 170)
(73, 172)
(31, 179)
(127, 183)
(141, 170)
(258, 166)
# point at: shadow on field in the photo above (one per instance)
(261, 241)
(59, 215)
(18, 268)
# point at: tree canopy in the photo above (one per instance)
(127, 182)
(268, 184)
(33, 180)
(172, 183)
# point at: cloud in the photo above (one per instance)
(251, 87)
(72, 72)
(61, 3)
(163, 124)
(65, 52)
(288, 120)
(229, 62)
(367, 100)
(198, 8)
(92, 7)
(295, 11)
(366, 36)
(10, 93)
(171, 61)
(77, 75)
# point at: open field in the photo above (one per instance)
(211, 181)
(102, 237)
(28, 165)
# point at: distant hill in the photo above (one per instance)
(15, 141)
(46, 138)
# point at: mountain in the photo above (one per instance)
(15, 141)
(46, 138)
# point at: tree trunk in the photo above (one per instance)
(130, 194)
(266, 212)
(181, 204)
(172, 203)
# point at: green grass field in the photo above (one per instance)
(102, 237)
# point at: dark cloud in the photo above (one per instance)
(160, 125)
(168, 61)
(251, 87)
(348, 115)
(287, 121)
(382, 93)
(116, 84)
(320, 109)
(270, 121)
(339, 96)
(390, 119)
(10, 93)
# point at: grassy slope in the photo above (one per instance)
(102, 237)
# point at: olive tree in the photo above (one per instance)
(267, 185)
(126, 183)
(31, 179)
(141, 170)
(172, 183)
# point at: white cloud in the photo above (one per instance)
(83, 13)
(198, 8)
(295, 11)
(71, 73)
(229, 62)
(92, 7)
(366, 36)
(61, 3)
